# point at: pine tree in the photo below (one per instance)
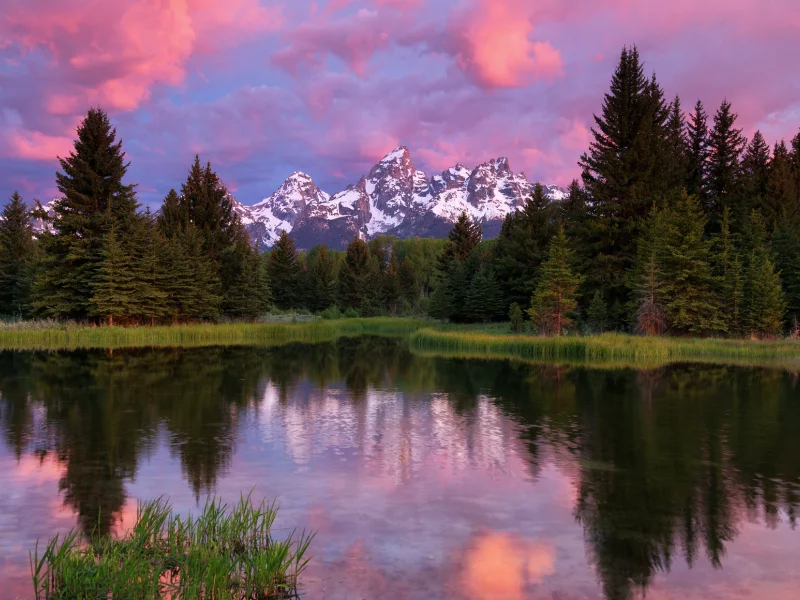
(781, 201)
(409, 286)
(391, 294)
(697, 169)
(94, 199)
(684, 254)
(786, 243)
(727, 272)
(243, 283)
(516, 318)
(645, 279)
(624, 172)
(324, 280)
(754, 174)
(461, 241)
(356, 277)
(115, 289)
(597, 313)
(677, 153)
(726, 144)
(282, 273)
(150, 264)
(17, 251)
(484, 299)
(554, 299)
(522, 244)
(766, 304)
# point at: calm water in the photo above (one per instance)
(424, 478)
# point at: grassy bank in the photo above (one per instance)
(611, 348)
(38, 336)
(225, 552)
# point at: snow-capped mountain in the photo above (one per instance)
(394, 198)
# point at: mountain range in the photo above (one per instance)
(393, 199)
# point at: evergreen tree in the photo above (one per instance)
(516, 318)
(597, 313)
(246, 293)
(766, 304)
(697, 167)
(174, 216)
(409, 286)
(677, 153)
(645, 279)
(391, 294)
(356, 277)
(554, 299)
(754, 173)
(484, 299)
(781, 200)
(324, 280)
(684, 256)
(786, 243)
(150, 264)
(624, 172)
(94, 199)
(461, 241)
(283, 274)
(115, 289)
(17, 251)
(522, 246)
(726, 144)
(727, 271)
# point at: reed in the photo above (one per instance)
(68, 336)
(609, 348)
(225, 552)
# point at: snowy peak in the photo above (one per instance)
(393, 198)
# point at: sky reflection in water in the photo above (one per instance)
(424, 478)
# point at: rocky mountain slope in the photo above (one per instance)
(394, 198)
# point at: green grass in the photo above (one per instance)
(607, 349)
(225, 552)
(55, 336)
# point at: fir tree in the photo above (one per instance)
(724, 170)
(246, 293)
(356, 277)
(461, 241)
(409, 286)
(624, 171)
(597, 313)
(324, 280)
(150, 264)
(677, 153)
(698, 151)
(766, 304)
(522, 246)
(554, 299)
(94, 199)
(786, 243)
(645, 279)
(115, 290)
(754, 174)
(516, 318)
(683, 254)
(391, 294)
(283, 274)
(727, 272)
(484, 299)
(17, 252)
(782, 196)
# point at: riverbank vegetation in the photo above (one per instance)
(224, 552)
(680, 226)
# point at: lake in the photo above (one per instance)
(424, 478)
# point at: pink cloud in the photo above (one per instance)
(33, 145)
(495, 46)
(353, 39)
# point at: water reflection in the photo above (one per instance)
(425, 477)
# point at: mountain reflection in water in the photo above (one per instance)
(424, 477)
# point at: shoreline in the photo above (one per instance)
(455, 341)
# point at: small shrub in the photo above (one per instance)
(351, 313)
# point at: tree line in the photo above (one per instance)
(678, 224)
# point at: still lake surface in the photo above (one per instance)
(425, 478)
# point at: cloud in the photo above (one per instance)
(493, 43)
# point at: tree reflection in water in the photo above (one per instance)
(667, 463)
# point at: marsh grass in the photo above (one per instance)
(224, 552)
(606, 349)
(69, 336)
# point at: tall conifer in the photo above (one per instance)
(17, 251)
(697, 168)
(283, 274)
(726, 144)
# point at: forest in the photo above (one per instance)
(678, 225)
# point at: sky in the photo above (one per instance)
(262, 88)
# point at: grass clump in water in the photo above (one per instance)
(225, 552)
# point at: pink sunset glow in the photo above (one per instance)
(262, 88)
